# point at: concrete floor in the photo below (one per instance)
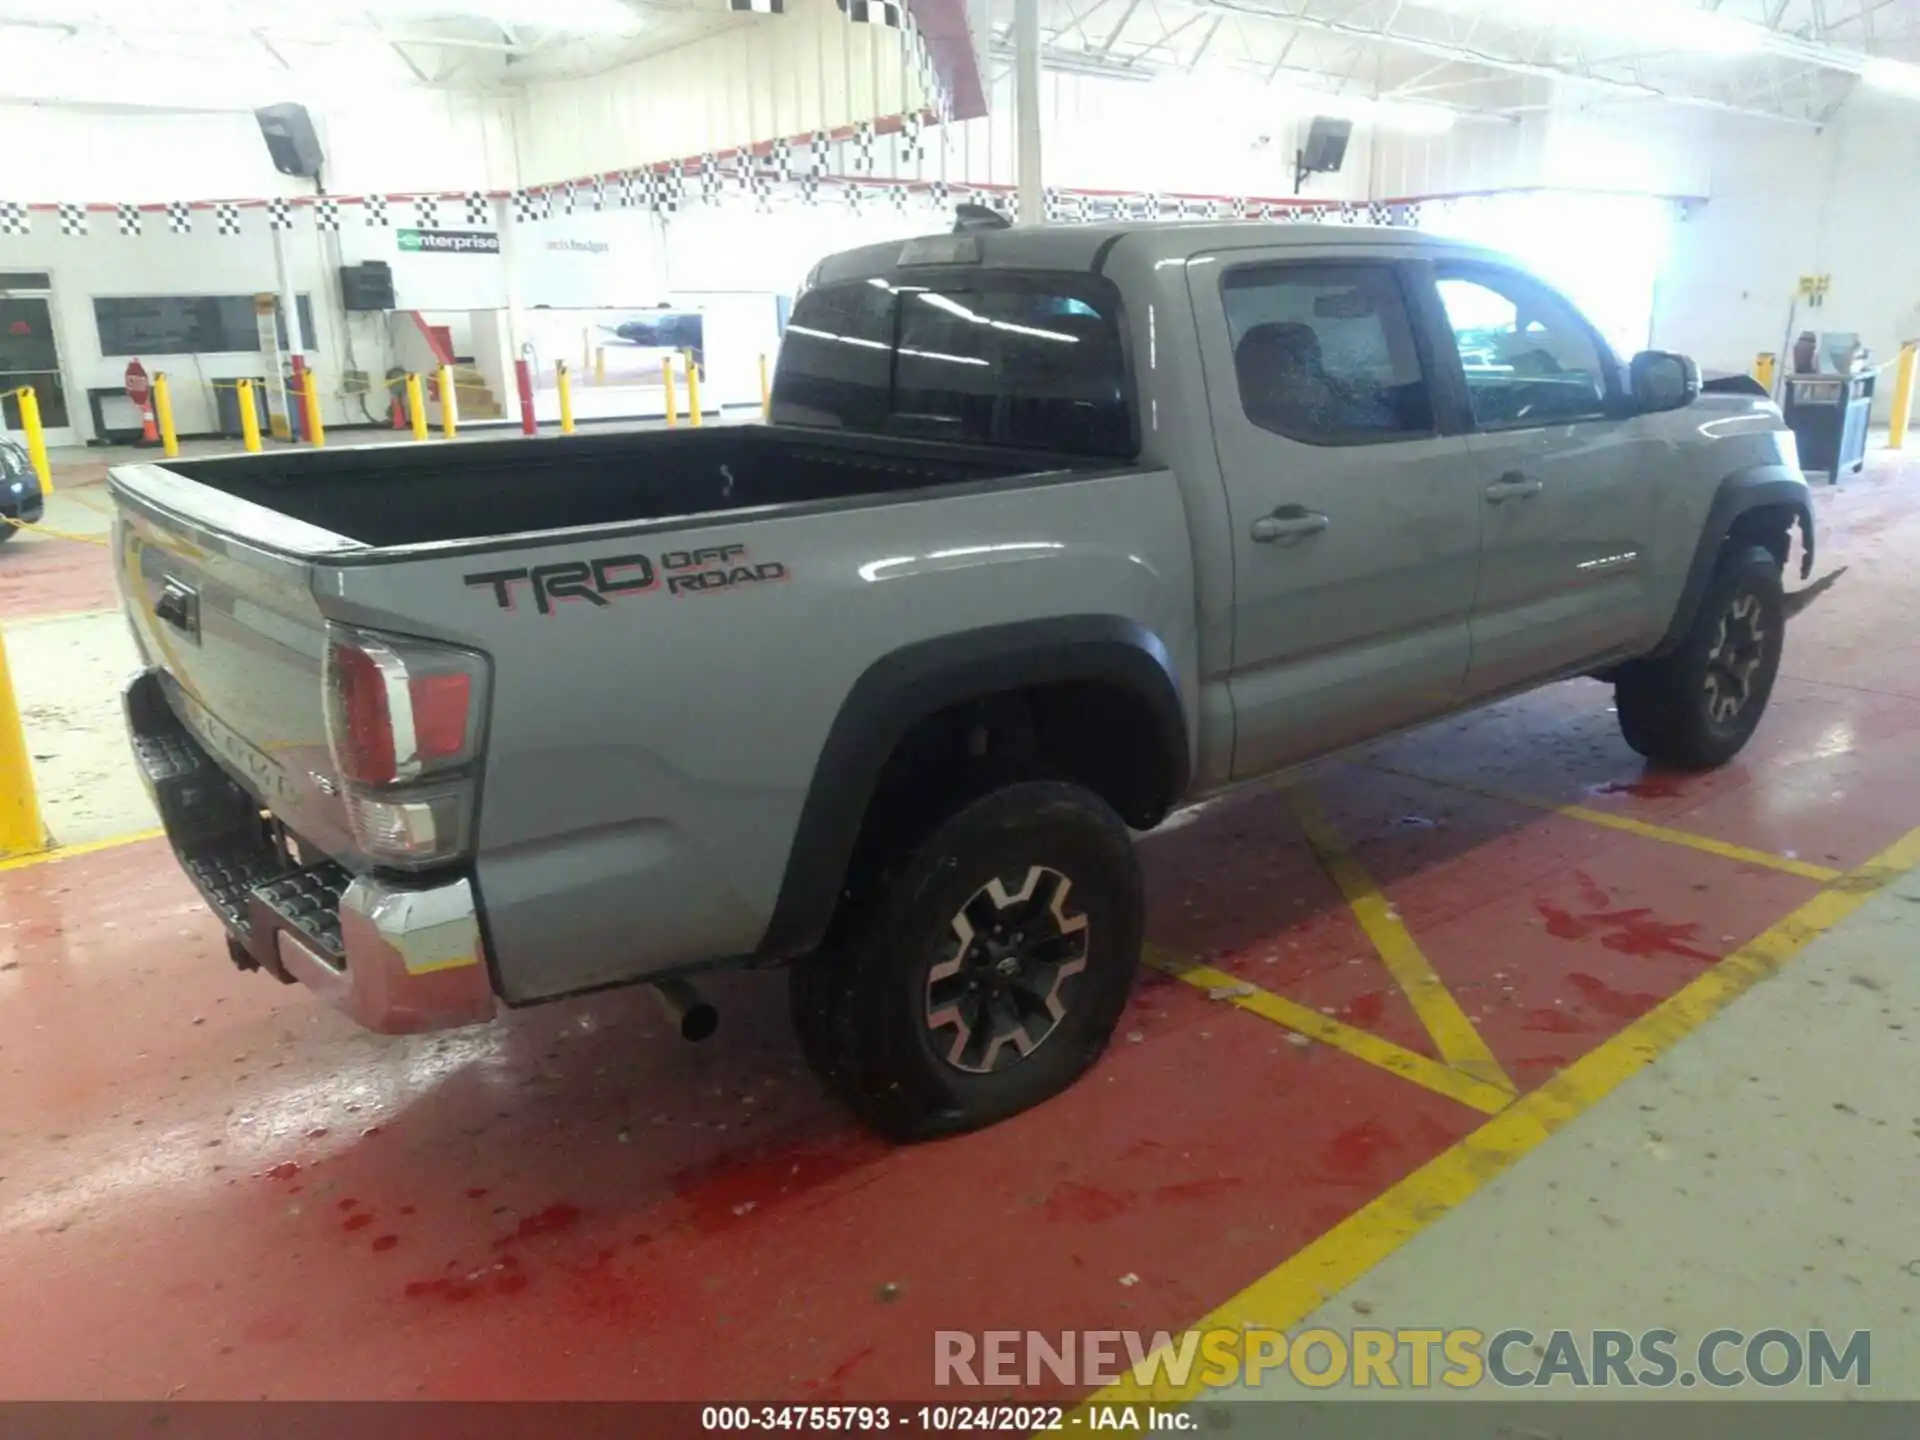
(221, 1189)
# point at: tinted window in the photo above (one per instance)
(1529, 358)
(187, 324)
(1325, 353)
(1029, 362)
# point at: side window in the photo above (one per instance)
(1529, 358)
(1325, 353)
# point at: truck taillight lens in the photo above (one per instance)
(402, 712)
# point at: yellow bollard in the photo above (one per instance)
(563, 382)
(416, 407)
(1763, 370)
(163, 415)
(600, 366)
(21, 832)
(693, 390)
(36, 434)
(1902, 395)
(249, 417)
(310, 399)
(586, 348)
(766, 395)
(449, 406)
(666, 379)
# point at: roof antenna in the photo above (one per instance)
(968, 216)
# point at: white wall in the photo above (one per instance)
(764, 78)
(1845, 202)
(390, 140)
(100, 264)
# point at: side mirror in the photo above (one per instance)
(1663, 381)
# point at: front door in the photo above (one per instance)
(1356, 519)
(1563, 569)
(29, 355)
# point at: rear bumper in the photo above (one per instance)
(397, 957)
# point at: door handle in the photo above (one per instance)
(1288, 521)
(179, 606)
(1513, 486)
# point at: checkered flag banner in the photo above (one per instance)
(14, 219)
(809, 188)
(279, 215)
(822, 151)
(852, 188)
(179, 217)
(912, 145)
(863, 147)
(623, 190)
(326, 215)
(937, 193)
(873, 12)
(226, 218)
(567, 198)
(710, 177)
(524, 207)
(127, 217)
(426, 212)
(479, 208)
(780, 156)
(375, 207)
(73, 218)
(758, 7)
(760, 184)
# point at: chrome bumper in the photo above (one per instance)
(396, 956)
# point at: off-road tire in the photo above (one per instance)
(1696, 708)
(1053, 866)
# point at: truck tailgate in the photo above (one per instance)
(239, 641)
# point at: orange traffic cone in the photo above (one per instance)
(397, 414)
(149, 432)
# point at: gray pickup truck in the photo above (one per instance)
(1053, 530)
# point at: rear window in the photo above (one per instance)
(1032, 362)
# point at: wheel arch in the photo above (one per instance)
(1758, 505)
(910, 686)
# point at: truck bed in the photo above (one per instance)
(413, 494)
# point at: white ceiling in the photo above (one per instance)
(220, 54)
(1477, 58)
(1789, 59)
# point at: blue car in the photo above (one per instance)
(20, 497)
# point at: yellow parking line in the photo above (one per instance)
(1453, 1033)
(1362, 1045)
(86, 847)
(1301, 1284)
(1663, 833)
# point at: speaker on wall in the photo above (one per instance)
(1325, 150)
(367, 286)
(288, 131)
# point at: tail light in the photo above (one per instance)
(404, 722)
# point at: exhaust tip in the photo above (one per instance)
(688, 1009)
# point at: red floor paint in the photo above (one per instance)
(42, 576)
(213, 1187)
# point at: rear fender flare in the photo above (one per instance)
(908, 685)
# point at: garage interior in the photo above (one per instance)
(1491, 1024)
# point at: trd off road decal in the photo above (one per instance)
(685, 572)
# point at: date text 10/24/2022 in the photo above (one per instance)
(944, 1419)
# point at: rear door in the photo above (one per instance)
(1567, 495)
(1355, 514)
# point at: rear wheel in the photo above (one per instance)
(986, 973)
(1697, 707)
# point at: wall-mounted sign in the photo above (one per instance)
(448, 242)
